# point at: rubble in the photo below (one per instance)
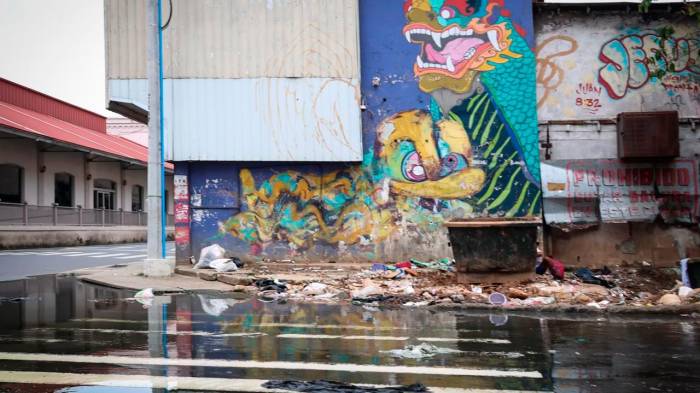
(432, 283)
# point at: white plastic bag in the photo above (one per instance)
(223, 265)
(208, 255)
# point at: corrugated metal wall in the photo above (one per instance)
(246, 80)
(238, 39)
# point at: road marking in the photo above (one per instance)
(132, 256)
(82, 254)
(285, 335)
(169, 333)
(107, 255)
(464, 340)
(178, 383)
(329, 336)
(272, 365)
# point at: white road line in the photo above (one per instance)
(82, 254)
(132, 256)
(107, 255)
(284, 335)
(329, 336)
(464, 340)
(169, 333)
(273, 365)
(178, 383)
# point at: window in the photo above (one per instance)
(63, 189)
(136, 198)
(11, 180)
(103, 194)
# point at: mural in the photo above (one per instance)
(584, 75)
(450, 132)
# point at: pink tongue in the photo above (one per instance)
(455, 48)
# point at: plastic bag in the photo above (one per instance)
(209, 254)
(223, 265)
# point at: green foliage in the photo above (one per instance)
(665, 33)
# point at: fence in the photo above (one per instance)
(25, 214)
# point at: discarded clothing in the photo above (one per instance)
(371, 299)
(421, 351)
(271, 285)
(444, 264)
(404, 265)
(378, 267)
(555, 267)
(322, 386)
(586, 275)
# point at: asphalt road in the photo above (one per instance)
(16, 264)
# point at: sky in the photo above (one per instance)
(57, 48)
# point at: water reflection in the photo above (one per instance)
(63, 315)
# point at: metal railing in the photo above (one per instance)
(25, 214)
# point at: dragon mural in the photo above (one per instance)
(471, 151)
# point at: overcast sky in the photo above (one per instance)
(56, 47)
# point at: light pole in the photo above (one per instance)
(155, 263)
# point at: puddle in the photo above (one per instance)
(59, 334)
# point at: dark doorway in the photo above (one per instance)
(11, 181)
(63, 189)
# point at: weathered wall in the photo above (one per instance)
(449, 132)
(591, 66)
(599, 64)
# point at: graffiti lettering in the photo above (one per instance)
(588, 97)
(549, 74)
(631, 61)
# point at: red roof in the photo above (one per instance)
(15, 115)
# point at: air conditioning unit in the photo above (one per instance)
(648, 135)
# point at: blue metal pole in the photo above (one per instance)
(164, 201)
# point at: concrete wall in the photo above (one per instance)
(453, 140)
(599, 64)
(590, 68)
(72, 163)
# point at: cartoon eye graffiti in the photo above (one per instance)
(447, 13)
(452, 162)
(412, 168)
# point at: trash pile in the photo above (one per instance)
(416, 283)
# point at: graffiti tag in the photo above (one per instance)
(549, 74)
(630, 61)
(588, 97)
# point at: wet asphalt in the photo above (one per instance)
(17, 264)
(58, 334)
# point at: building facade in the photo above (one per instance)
(54, 154)
(354, 130)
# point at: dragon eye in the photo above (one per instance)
(447, 13)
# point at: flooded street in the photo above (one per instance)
(59, 334)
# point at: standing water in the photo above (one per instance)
(60, 334)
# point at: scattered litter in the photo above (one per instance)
(476, 289)
(420, 351)
(685, 291)
(315, 288)
(404, 265)
(145, 297)
(539, 300)
(497, 299)
(417, 304)
(268, 285)
(323, 386)
(223, 265)
(209, 254)
(555, 267)
(670, 299)
(367, 291)
(378, 267)
(586, 275)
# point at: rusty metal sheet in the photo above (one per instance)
(590, 191)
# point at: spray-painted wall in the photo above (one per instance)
(597, 65)
(592, 64)
(449, 132)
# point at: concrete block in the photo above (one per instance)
(207, 275)
(235, 279)
(158, 267)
